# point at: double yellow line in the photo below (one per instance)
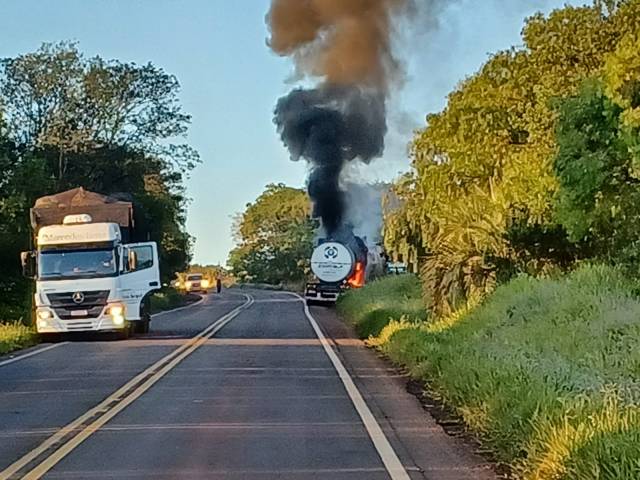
(91, 421)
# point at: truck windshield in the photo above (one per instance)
(59, 263)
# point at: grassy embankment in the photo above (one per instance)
(14, 336)
(546, 372)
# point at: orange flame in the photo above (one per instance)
(357, 279)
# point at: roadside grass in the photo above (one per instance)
(546, 371)
(169, 298)
(14, 336)
(371, 308)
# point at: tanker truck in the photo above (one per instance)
(342, 264)
(89, 276)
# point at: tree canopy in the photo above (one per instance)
(274, 237)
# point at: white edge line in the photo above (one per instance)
(49, 347)
(388, 456)
(31, 353)
(173, 310)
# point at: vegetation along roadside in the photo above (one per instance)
(544, 372)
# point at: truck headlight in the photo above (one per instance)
(117, 314)
(205, 283)
(44, 314)
(187, 284)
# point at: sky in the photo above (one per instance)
(230, 81)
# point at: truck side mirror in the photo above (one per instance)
(28, 261)
(133, 260)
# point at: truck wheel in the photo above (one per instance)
(144, 328)
(145, 318)
(124, 333)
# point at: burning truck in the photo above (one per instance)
(340, 264)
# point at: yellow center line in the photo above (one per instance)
(108, 411)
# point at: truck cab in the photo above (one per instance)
(88, 280)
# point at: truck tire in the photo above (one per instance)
(142, 326)
(145, 324)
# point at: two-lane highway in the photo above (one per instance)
(243, 385)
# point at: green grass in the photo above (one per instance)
(169, 298)
(546, 371)
(371, 308)
(14, 336)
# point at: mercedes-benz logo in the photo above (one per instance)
(330, 252)
(78, 297)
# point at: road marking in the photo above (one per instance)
(124, 396)
(31, 353)
(392, 463)
(55, 345)
(197, 302)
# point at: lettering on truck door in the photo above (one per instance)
(141, 275)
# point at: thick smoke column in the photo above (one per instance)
(346, 44)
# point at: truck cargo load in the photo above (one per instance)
(52, 209)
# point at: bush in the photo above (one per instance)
(14, 336)
(546, 372)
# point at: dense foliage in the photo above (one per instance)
(110, 127)
(274, 237)
(480, 201)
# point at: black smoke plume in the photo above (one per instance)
(346, 46)
(329, 127)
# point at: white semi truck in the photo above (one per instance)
(88, 278)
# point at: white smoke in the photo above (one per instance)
(364, 210)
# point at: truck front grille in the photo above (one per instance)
(67, 307)
(89, 299)
(76, 313)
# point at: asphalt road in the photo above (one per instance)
(239, 386)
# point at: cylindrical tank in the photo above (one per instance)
(332, 262)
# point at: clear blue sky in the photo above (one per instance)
(230, 81)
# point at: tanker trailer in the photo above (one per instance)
(337, 266)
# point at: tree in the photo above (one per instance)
(484, 165)
(598, 160)
(402, 235)
(274, 236)
(59, 102)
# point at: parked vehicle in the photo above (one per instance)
(196, 282)
(88, 276)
